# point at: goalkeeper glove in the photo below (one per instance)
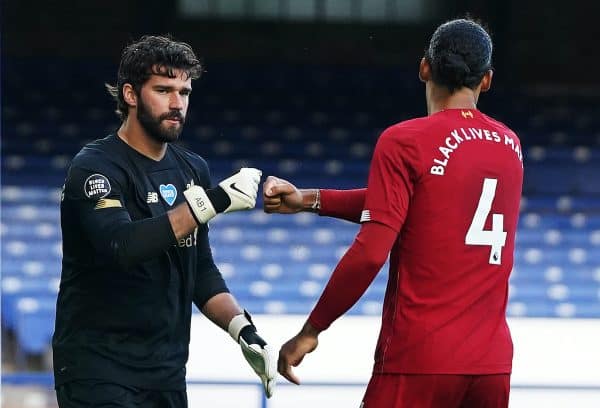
(257, 352)
(235, 193)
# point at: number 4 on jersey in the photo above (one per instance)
(495, 237)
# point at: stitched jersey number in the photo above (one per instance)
(496, 237)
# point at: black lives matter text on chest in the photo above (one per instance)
(462, 135)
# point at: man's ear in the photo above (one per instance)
(486, 81)
(424, 70)
(129, 95)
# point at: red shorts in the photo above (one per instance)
(437, 391)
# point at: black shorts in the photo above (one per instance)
(102, 394)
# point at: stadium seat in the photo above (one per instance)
(316, 133)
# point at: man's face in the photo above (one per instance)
(162, 106)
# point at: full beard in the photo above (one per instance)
(154, 126)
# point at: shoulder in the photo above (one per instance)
(500, 125)
(97, 161)
(407, 130)
(399, 144)
(403, 134)
(100, 154)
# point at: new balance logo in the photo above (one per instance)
(152, 197)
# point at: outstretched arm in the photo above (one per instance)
(281, 196)
(212, 297)
(354, 273)
(95, 196)
(391, 184)
(344, 204)
(223, 310)
(351, 278)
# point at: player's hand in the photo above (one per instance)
(256, 351)
(235, 193)
(281, 196)
(242, 189)
(293, 351)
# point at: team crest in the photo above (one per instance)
(168, 193)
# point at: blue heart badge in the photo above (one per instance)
(169, 193)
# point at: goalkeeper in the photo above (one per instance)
(136, 254)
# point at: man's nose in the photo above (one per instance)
(176, 102)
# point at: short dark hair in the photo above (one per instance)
(459, 53)
(152, 55)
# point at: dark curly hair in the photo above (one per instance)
(152, 55)
(459, 53)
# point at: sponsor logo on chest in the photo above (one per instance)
(152, 197)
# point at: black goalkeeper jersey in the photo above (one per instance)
(127, 285)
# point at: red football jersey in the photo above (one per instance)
(450, 184)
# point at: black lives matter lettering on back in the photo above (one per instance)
(96, 186)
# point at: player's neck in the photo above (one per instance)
(132, 133)
(440, 99)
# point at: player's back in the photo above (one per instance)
(445, 307)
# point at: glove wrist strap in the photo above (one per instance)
(200, 204)
(237, 324)
(218, 198)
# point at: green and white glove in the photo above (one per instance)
(257, 352)
(235, 193)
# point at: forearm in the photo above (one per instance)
(182, 221)
(353, 274)
(128, 242)
(133, 242)
(221, 308)
(344, 204)
(310, 198)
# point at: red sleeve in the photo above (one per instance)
(354, 273)
(394, 170)
(343, 204)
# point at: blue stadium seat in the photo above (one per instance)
(35, 323)
(16, 288)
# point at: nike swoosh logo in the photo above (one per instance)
(233, 187)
